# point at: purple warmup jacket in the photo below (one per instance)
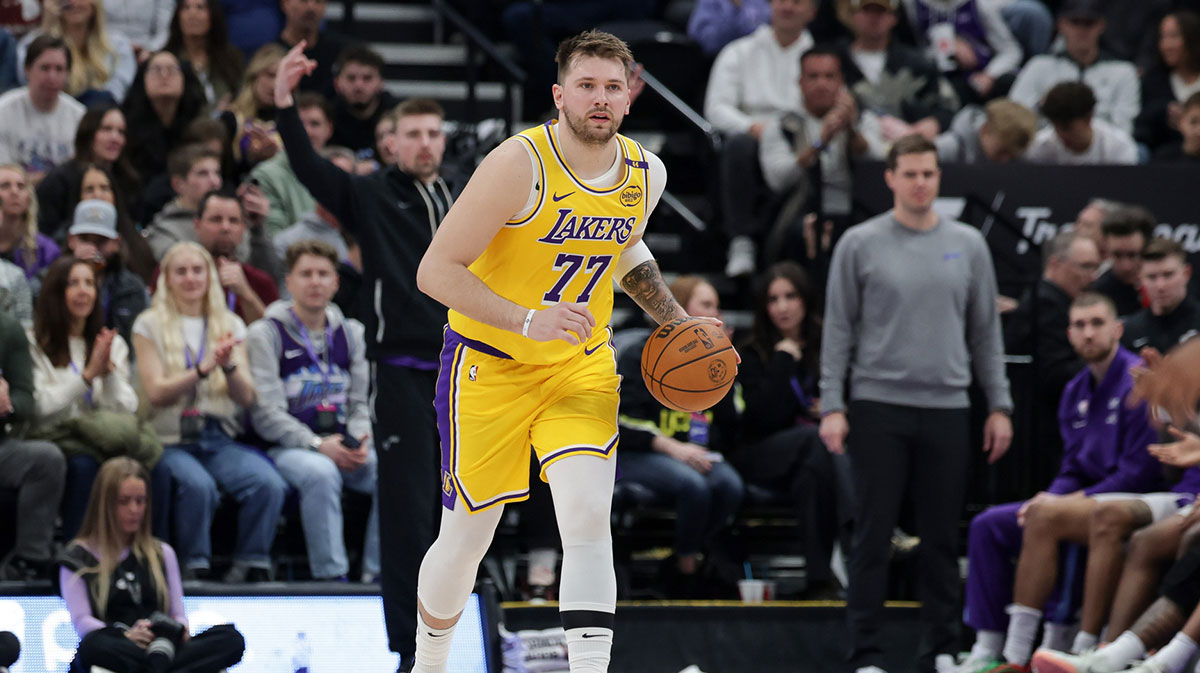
(1104, 441)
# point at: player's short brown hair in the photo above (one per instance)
(1161, 248)
(910, 144)
(417, 106)
(309, 247)
(1013, 124)
(1086, 299)
(592, 43)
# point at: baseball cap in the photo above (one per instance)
(1082, 9)
(889, 5)
(94, 217)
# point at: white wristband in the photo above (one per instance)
(528, 319)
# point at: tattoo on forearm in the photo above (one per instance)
(646, 287)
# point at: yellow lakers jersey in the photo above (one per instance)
(564, 250)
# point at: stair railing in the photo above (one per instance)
(477, 42)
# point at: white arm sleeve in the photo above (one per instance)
(630, 258)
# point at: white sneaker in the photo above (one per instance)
(869, 669)
(1053, 661)
(741, 257)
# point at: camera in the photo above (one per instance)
(163, 626)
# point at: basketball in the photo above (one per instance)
(688, 364)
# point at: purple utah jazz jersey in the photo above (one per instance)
(303, 383)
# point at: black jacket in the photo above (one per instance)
(354, 133)
(393, 216)
(1162, 332)
(778, 392)
(910, 86)
(1040, 330)
(123, 297)
(1126, 297)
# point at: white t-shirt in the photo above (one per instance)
(870, 63)
(1183, 90)
(36, 140)
(1110, 145)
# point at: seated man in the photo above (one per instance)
(1173, 316)
(1114, 81)
(1124, 233)
(754, 79)
(194, 171)
(122, 293)
(220, 227)
(310, 369)
(361, 99)
(1000, 132)
(302, 21)
(36, 470)
(40, 119)
(970, 43)
(1075, 137)
(1104, 452)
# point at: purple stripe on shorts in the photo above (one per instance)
(581, 449)
(441, 406)
(453, 337)
(411, 363)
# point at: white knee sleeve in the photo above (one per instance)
(448, 569)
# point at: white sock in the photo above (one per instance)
(1174, 657)
(1084, 641)
(1022, 629)
(987, 646)
(433, 647)
(588, 649)
(1057, 636)
(1121, 652)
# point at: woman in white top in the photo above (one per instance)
(80, 366)
(193, 368)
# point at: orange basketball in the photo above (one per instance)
(688, 364)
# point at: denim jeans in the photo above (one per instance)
(704, 503)
(198, 470)
(81, 474)
(1031, 23)
(319, 481)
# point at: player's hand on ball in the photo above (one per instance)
(565, 320)
(834, 429)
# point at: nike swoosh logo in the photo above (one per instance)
(403, 205)
(436, 635)
(558, 198)
(592, 635)
(1138, 343)
(294, 353)
(589, 352)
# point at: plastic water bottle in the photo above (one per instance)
(301, 654)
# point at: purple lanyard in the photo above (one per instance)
(187, 350)
(322, 365)
(799, 391)
(230, 299)
(87, 396)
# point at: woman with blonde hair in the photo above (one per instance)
(123, 590)
(251, 116)
(102, 63)
(193, 368)
(20, 241)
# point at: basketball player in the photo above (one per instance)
(524, 261)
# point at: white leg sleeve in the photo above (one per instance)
(448, 569)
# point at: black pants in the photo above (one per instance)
(1181, 584)
(743, 189)
(795, 461)
(217, 648)
(896, 450)
(406, 444)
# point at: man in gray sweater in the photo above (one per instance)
(910, 310)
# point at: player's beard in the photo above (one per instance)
(1097, 354)
(579, 128)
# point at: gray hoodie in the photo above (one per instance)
(271, 414)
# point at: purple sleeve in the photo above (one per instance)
(1137, 471)
(1066, 481)
(174, 584)
(74, 592)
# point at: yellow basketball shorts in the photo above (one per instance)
(492, 411)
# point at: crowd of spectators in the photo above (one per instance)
(172, 235)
